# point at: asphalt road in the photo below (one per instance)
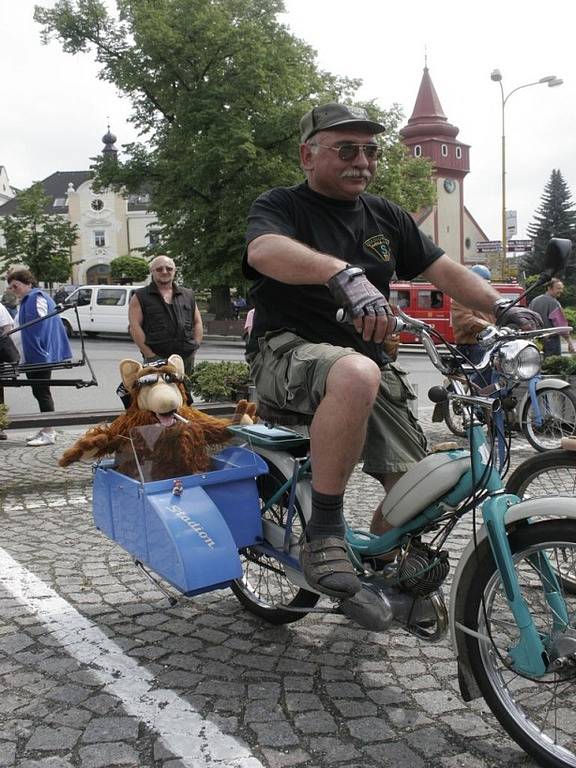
(105, 353)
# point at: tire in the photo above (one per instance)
(558, 409)
(552, 473)
(454, 413)
(264, 589)
(68, 328)
(538, 713)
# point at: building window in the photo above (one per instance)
(59, 202)
(97, 204)
(417, 150)
(154, 237)
(444, 150)
(467, 243)
(99, 238)
(459, 153)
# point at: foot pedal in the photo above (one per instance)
(369, 608)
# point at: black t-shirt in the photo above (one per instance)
(369, 232)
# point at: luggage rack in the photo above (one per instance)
(11, 373)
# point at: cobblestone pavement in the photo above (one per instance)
(97, 669)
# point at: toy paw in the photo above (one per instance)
(245, 413)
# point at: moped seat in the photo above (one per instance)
(430, 479)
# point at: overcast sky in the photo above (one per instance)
(55, 110)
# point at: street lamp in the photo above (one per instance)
(551, 81)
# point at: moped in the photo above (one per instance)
(511, 619)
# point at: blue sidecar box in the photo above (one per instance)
(190, 539)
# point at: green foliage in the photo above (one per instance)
(217, 89)
(128, 268)
(570, 313)
(219, 381)
(40, 241)
(556, 217)
(559, 365)
(4, 420)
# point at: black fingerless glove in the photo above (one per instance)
(353, 291)
(521, 317)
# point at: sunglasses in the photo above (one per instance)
(151, 378)
(348, 152)
(163, 269)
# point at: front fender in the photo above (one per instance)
(544, 507)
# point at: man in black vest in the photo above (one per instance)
(164, 318)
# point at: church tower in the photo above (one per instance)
(429, 134)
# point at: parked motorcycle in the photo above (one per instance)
(511, 617)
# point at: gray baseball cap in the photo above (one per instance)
(333, 115)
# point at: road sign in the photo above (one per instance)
(488, 246)
(517, 246)
(511, 223)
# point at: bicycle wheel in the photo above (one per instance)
(265, 589)
(558, 411)
(552, 473)
(454, 415)
(538, 713)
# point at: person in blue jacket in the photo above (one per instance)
(43, 342)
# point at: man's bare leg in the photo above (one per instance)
(337, 437)
(379, 526)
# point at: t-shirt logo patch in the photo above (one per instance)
(379, 245)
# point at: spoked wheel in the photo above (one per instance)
(552, 473)
(538, 713)
(454, 413)
(265, 588)
(558, 411)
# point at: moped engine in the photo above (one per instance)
(421, 569)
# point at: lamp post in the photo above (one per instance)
(551, 81)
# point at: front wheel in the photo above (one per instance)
(557, 418)
(265, 588)
(539, 713)
(454, 414)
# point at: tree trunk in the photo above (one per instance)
(220, 305)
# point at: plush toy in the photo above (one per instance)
(183, 436)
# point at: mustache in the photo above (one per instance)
(356, 173)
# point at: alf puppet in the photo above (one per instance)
(184, 435)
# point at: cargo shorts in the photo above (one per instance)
(290, 374)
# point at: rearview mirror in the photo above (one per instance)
(556, 256)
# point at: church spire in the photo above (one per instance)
(428, 118)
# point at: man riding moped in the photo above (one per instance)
(327, 244)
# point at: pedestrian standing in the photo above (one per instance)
(5, 326)
(552, 314)
(43, 343)
(164, 317)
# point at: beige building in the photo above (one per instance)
(7, 192)
(429, 134)
(109, 224)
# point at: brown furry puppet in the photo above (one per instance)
(158, 395)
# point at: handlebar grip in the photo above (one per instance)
(437, 394)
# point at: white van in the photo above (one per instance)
(101, 309)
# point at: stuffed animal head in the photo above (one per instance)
(156, 388)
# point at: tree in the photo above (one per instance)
(218, 88)
(556, 217)
(39, 240)
(127, 269)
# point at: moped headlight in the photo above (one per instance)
(518, 360)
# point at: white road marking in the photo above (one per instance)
(196, 741)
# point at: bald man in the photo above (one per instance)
(164, 318)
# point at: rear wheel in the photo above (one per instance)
(265, 588)
(539, 713)
(558, 418)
